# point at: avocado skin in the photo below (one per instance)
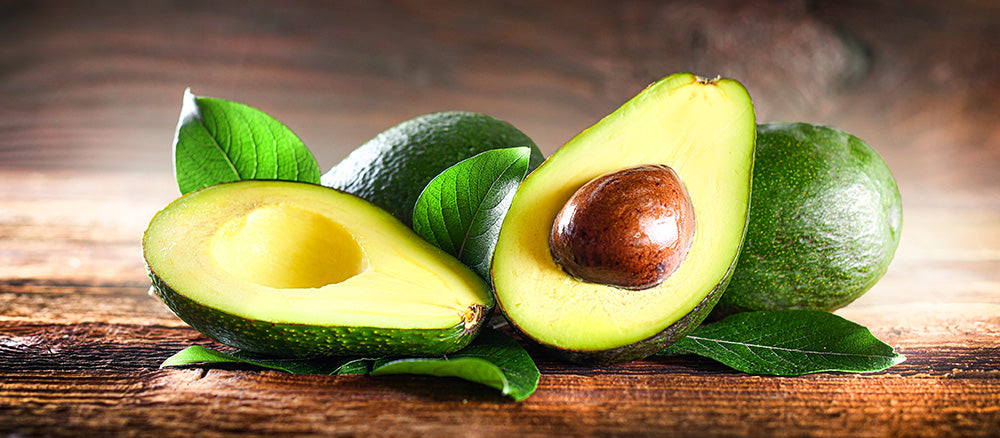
(825, 222)
(392, 169)
(297, 340)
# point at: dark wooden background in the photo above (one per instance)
(89, 97)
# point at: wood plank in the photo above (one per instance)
(100, 346)
(103, 379)
(53, 302)
(222, 402)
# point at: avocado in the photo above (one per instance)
(702, 129)
(295, 269)
(392, 169)
(824, 225)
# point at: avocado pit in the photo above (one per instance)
(629, 229)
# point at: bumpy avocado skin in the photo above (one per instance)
(825, 221)
(392, 169)
(297, 340)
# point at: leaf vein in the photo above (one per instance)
(794, 350)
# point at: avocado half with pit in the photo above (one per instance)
(296, 269)
(701, 130)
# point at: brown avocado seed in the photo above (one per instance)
(630, 229)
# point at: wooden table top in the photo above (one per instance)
(89, 97)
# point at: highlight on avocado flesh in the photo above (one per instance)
(631, 228)
(702, 129)
(295, 269)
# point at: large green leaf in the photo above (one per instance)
(789, 343)
(493, 359)
(220, 141)
(461, 210)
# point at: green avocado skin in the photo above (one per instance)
(297, 340)
(825, 221)
(392, 169)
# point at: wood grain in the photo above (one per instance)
(90, 94)
(628, 399)
(272, 403)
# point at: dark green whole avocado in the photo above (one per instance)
(392, 169)
(825, 221)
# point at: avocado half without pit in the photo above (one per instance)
(295, 269)
(622, 241)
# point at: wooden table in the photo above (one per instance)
(89, 96)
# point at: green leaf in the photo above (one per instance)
(220, 141)
(493, 359)
(461, 209)
(788, 343)
(197, 354)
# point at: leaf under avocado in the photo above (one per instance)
(493, 359)
(461, 210)
(197, 354)
(221, 141)
(788, 343)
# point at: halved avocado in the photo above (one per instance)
(701, 128)
(296, 269)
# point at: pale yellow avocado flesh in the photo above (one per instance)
(298, 253)
(696, 126)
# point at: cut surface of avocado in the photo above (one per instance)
(297, 269)
(701, 128)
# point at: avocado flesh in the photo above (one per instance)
(824, 225)
(704, 130)
(296, 269)
(392, 169)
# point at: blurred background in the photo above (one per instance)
(97, 84)
(90, 93)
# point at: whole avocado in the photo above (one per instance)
(392, 169)
(825, 221)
